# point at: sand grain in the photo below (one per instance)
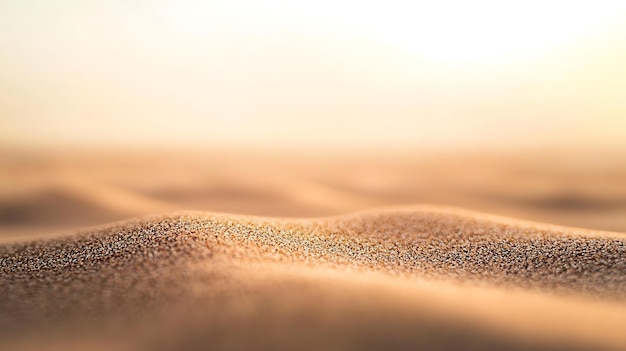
(371, 276)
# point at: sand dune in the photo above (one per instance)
(400, 278)
(297, 267)
(583, 191)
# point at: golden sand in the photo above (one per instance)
(42, 194)
(390, 278)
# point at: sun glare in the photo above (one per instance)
(448, 32)
(293, 71)
(488, 32)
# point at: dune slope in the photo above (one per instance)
(401, 278)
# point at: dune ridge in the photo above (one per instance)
(373, 275)
(41, 193)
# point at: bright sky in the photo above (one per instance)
(312, 72)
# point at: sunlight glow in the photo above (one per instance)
(331, 72)
(447, 32)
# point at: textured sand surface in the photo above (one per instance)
(404, 277)
(391, 278)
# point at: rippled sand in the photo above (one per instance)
(404, 277)
(401, 277)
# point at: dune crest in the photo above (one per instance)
(267, 273)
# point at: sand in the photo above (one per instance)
(46, 193)
(312, 252)
(419, 277)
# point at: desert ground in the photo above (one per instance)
(228, 249)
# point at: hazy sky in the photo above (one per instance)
(314, 72)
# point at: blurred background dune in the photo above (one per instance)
(116, 109)
(59, 192)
